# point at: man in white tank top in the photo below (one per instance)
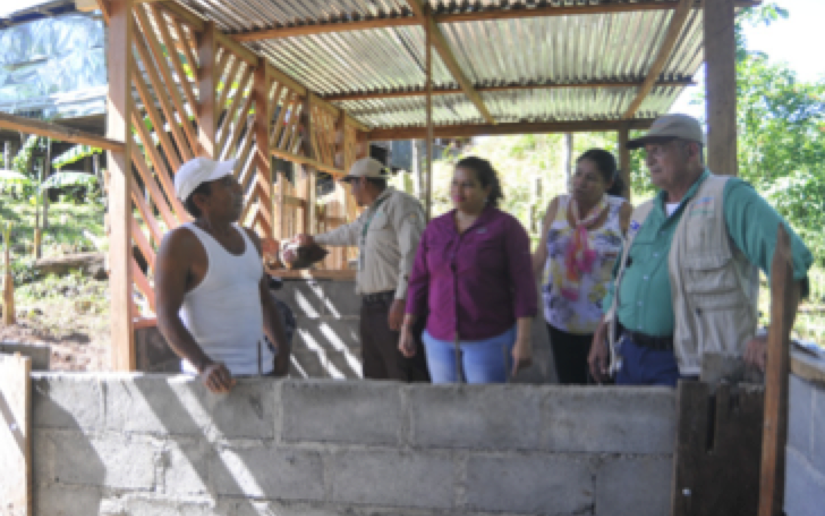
(213, 301)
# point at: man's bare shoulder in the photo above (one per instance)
(182, 244)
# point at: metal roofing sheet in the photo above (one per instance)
(580, 48)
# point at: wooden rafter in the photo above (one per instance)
(486, 89)
(677, 23)
(289, 31)
(448, 58)
(466, 131)
(58, 132)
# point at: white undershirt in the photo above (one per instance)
(671, 207)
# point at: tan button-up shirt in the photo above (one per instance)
(394, 223)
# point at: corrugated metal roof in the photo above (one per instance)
(569, 49)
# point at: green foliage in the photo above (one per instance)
(69, 179)
(75, 154)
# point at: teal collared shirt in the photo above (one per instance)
(645, 297)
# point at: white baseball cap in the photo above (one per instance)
(200, 170)
(365, 167)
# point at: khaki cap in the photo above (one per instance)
(366, 167)
(683, 127)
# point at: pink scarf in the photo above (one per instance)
(578, 257)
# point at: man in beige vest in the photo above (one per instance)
(687, 282)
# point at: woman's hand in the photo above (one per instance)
(522, 353)
(406, 342)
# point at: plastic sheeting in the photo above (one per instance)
(54, 67)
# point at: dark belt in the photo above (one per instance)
(379, 297)
(649, 341)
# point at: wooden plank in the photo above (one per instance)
(784, 296)
(233, 123)
(240, 51)
(143, 284)
(227, 81)
(295, 202)
(490, 89)
(288, 106)
(677, 23)
(449, 60)
(139, 161)
(161, 171)
(356, 124)
(170, 152)
(142, 242)
(428, 70)
(183, 144)
(720, 86)
(324, 28)
(624, 161)
(145, 213)
(207, 80)
(183, 14)
(188, 45)
(15, 435)
(162, 65)
(118, 117)
(58, 132)
(263, 158)
(293, 130)
(345, 275)
(286, 80)
(303, 160)
(445, 131)
(104, 7)
(716, 460)
(226, 147)
(174, 57)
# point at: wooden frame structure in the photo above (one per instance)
(180, 87)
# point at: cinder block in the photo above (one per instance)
(109, 460)
(156, 506)
(250, 508)
(818, 430)
(344, 365)
(340, 299)
(479, 416)
(366, 413)
(390, 478)
(39, 353)
(61, 500)
(634, 487)
(800, 414)
(305, 297)
(265, 472)
(307, 363)
(186, 466)
(804, 486)
(610, 419)
(529, 484)
(339, 334)
(70, 401)
(182, 405)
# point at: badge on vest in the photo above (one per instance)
(634, 227)
(703, 206)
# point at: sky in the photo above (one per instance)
(798, 41)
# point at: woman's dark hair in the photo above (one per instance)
(204, 188)
(486, 175)
(606, 165)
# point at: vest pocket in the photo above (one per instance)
(710, 275)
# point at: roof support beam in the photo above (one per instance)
(677, 23)
(467, 131)
(517, 87)
(447, 57)
(58, 132)
(487, 14)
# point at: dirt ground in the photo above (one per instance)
(75, 325)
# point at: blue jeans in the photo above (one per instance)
(482, 361)
(645, 366)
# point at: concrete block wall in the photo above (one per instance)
(327, 342)
(805, 452)
(133, 445)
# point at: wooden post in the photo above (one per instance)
(207, 82)
(263, 157)
(15, 435)
(307, 146)
(624, 161)
(429, 79)
(118, 115)
(720, 83)
(784, 293)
